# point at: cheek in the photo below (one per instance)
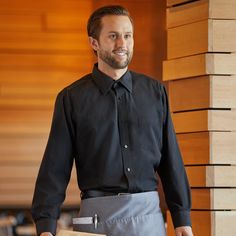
(130, 45)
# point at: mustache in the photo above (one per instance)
(120, 50)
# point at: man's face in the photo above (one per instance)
(115, 43)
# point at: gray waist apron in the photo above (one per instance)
(136, 214)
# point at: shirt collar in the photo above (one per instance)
(105, 82)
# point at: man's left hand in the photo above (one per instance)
(183, 231)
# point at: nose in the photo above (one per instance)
(121, 42)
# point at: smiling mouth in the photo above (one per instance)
(120, 53)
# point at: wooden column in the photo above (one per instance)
(201, 70)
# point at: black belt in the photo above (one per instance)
(98, 193)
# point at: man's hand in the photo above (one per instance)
(183, 231)
(46, 234)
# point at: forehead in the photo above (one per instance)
(116, 23)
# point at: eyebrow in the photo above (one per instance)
(116, 32)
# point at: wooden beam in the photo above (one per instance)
(213, 198)
(205, 148)
(211, 176)
(187, 13)
(175, 2)
(205, 120)
(198, 65)
(201, 37)
(202, 93)
(187, 40)
(200, 10)
(221, 9)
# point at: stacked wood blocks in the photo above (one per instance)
(201, 70)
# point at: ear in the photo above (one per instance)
(93, 43)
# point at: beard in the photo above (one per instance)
(111, 60)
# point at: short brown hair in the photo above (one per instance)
(94, 23)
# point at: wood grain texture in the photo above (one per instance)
(213, 198)
(204, 120)
(188, 40)
(175, 2)
(209, 223)
(202, 93)
(187, 13)
(22, 184)
(206, 148)
(73, 233)
(201, 37)
(200, 10)
(211, 176)
(198, 65)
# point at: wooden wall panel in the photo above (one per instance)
(20, 22)
(74, 43)
(22, 184)
(43, 48)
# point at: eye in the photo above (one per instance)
(127, 36)
(112, 36)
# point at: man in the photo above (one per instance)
(116, 124)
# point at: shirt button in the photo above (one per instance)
(125, 146)
(128, 169)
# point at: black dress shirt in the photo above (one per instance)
(120, 134)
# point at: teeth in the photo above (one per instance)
(120, 53)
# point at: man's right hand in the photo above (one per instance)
(46, 234)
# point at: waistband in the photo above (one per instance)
(98, 193)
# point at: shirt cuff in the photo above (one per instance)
(46, 225)
(181, 218)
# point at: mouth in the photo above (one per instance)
(120, 53)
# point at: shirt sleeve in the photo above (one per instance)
(55, 170)
(172, 171)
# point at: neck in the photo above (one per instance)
(113, 73)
